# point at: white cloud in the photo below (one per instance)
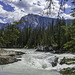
(11, 16)
(1, 21)
(67, 16)
(54, 12)
(22, 8)
(54, 9)
(1, 9)
(67, 6)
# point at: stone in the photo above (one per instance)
(63, 61)
(7, 57)
(19, 53)
(7, 60)
(44, 49)
(54, 63)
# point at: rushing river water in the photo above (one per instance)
(34, 63)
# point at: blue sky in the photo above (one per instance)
(11, 10)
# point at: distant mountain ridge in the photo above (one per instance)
(38, 21)
(34, 21)
(2, 25)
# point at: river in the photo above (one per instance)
(34, 63)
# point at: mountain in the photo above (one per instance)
(37, 21)
(34, 21)
(2, 25)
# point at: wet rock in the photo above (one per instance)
(19, 53)
(11, 53)
(57, 51)
(40, 49)
(51, 49)
(44, 49)
(63, 61)
(16, 56)
(7, 60)
(68, 71)
(7, 57)
(54, 63)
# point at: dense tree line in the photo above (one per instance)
(59, 35)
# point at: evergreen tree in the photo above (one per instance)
(73, 9)
(30, 39)
(70, 45)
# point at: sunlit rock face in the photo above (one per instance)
(35, 21)
(38, 21)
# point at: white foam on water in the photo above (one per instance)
(36, 61)
(41, 60)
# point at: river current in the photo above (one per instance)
(35, 63)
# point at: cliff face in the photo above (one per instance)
(38, 21)
(35, 21)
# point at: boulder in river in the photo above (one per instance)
(51, 49)
(19, 53)
(7, 57)
(44, 49)
(7, 60)
(54, 63)
(10, 53)
(63, 61)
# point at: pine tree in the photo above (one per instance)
(70, 31)
(30, 39)
(73, 9)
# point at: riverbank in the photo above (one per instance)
(34, 62)
(7, 57)
(31, 64)
(68, 70)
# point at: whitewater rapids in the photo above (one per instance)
(35, 63)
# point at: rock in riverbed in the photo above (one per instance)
(51, 49)
(10, 53)
(63, 61)
(54, 63)
(7, 57)
(7, 60)
(44, 49)
(68, 71)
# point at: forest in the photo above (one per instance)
(61, 36)
(38, 44)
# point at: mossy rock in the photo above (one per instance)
(7, 60)
(68, 71)
(67, 61)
